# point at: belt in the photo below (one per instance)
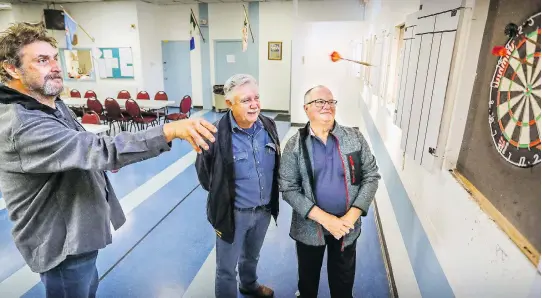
(261, 207)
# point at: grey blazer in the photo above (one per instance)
(297, 181)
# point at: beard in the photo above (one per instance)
(49, 87)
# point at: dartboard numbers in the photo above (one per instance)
(514, 102)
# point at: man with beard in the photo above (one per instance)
(240, 172)
(52, 172)
(329, 176)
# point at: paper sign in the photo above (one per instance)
(108, 54)
(230, 58)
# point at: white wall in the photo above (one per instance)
(151, 51)
(320, 39)
(29, 13)
(171, 23)
(109, 23)
(274, 75)
(319, 28)
(476, 256)
(109, 30)
(330, 10)
(6, 17)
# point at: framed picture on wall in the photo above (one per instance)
(274, 50)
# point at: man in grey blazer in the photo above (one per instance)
(52, 172)
(329, 176)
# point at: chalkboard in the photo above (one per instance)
(500, 152)
(116, 63)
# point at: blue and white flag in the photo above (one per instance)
(70, 26)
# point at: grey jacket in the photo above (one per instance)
(297, 181)
(53, 181)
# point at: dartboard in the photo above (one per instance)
(514, 101)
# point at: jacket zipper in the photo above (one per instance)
(345, 184)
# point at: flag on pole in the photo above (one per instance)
(192, 29)
(245, 34)
(70, 25)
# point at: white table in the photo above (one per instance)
(143, 104)
(96, 128)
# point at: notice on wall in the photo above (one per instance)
(115, 62)
(230, 58)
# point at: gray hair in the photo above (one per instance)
(236, 81)
(307, 97)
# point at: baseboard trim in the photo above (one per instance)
(385, 253)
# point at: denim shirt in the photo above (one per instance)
(254, 158)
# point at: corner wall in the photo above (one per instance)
(452, 247)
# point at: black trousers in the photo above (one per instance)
(341, 268)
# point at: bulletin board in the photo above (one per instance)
(115, 63)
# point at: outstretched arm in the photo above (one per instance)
(45, 145)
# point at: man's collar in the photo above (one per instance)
(233, 123)
(311, 132)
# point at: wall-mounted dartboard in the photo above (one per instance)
(514, 100)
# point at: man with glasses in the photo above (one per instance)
(329, 176)
(240, 172)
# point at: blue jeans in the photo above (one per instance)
(250, 230)
(75, 277)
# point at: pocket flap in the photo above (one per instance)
(240, 155)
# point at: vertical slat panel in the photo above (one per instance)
(384, 69)
(429, 89)
(439, 94)
(376, 69)
(409, 90)
(402, 81)
(419, 89)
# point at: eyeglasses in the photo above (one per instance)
(319, 103)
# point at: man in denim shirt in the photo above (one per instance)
(240, 171)
(52, 172)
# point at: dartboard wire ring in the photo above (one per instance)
(510, 108)
(528, 83)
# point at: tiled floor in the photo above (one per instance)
(166, 247)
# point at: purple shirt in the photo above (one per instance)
(329, 176)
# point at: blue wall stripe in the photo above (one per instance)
(205, 59)
(429, 274)
(253, 49)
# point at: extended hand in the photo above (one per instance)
(191, 130)
(338, 227)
